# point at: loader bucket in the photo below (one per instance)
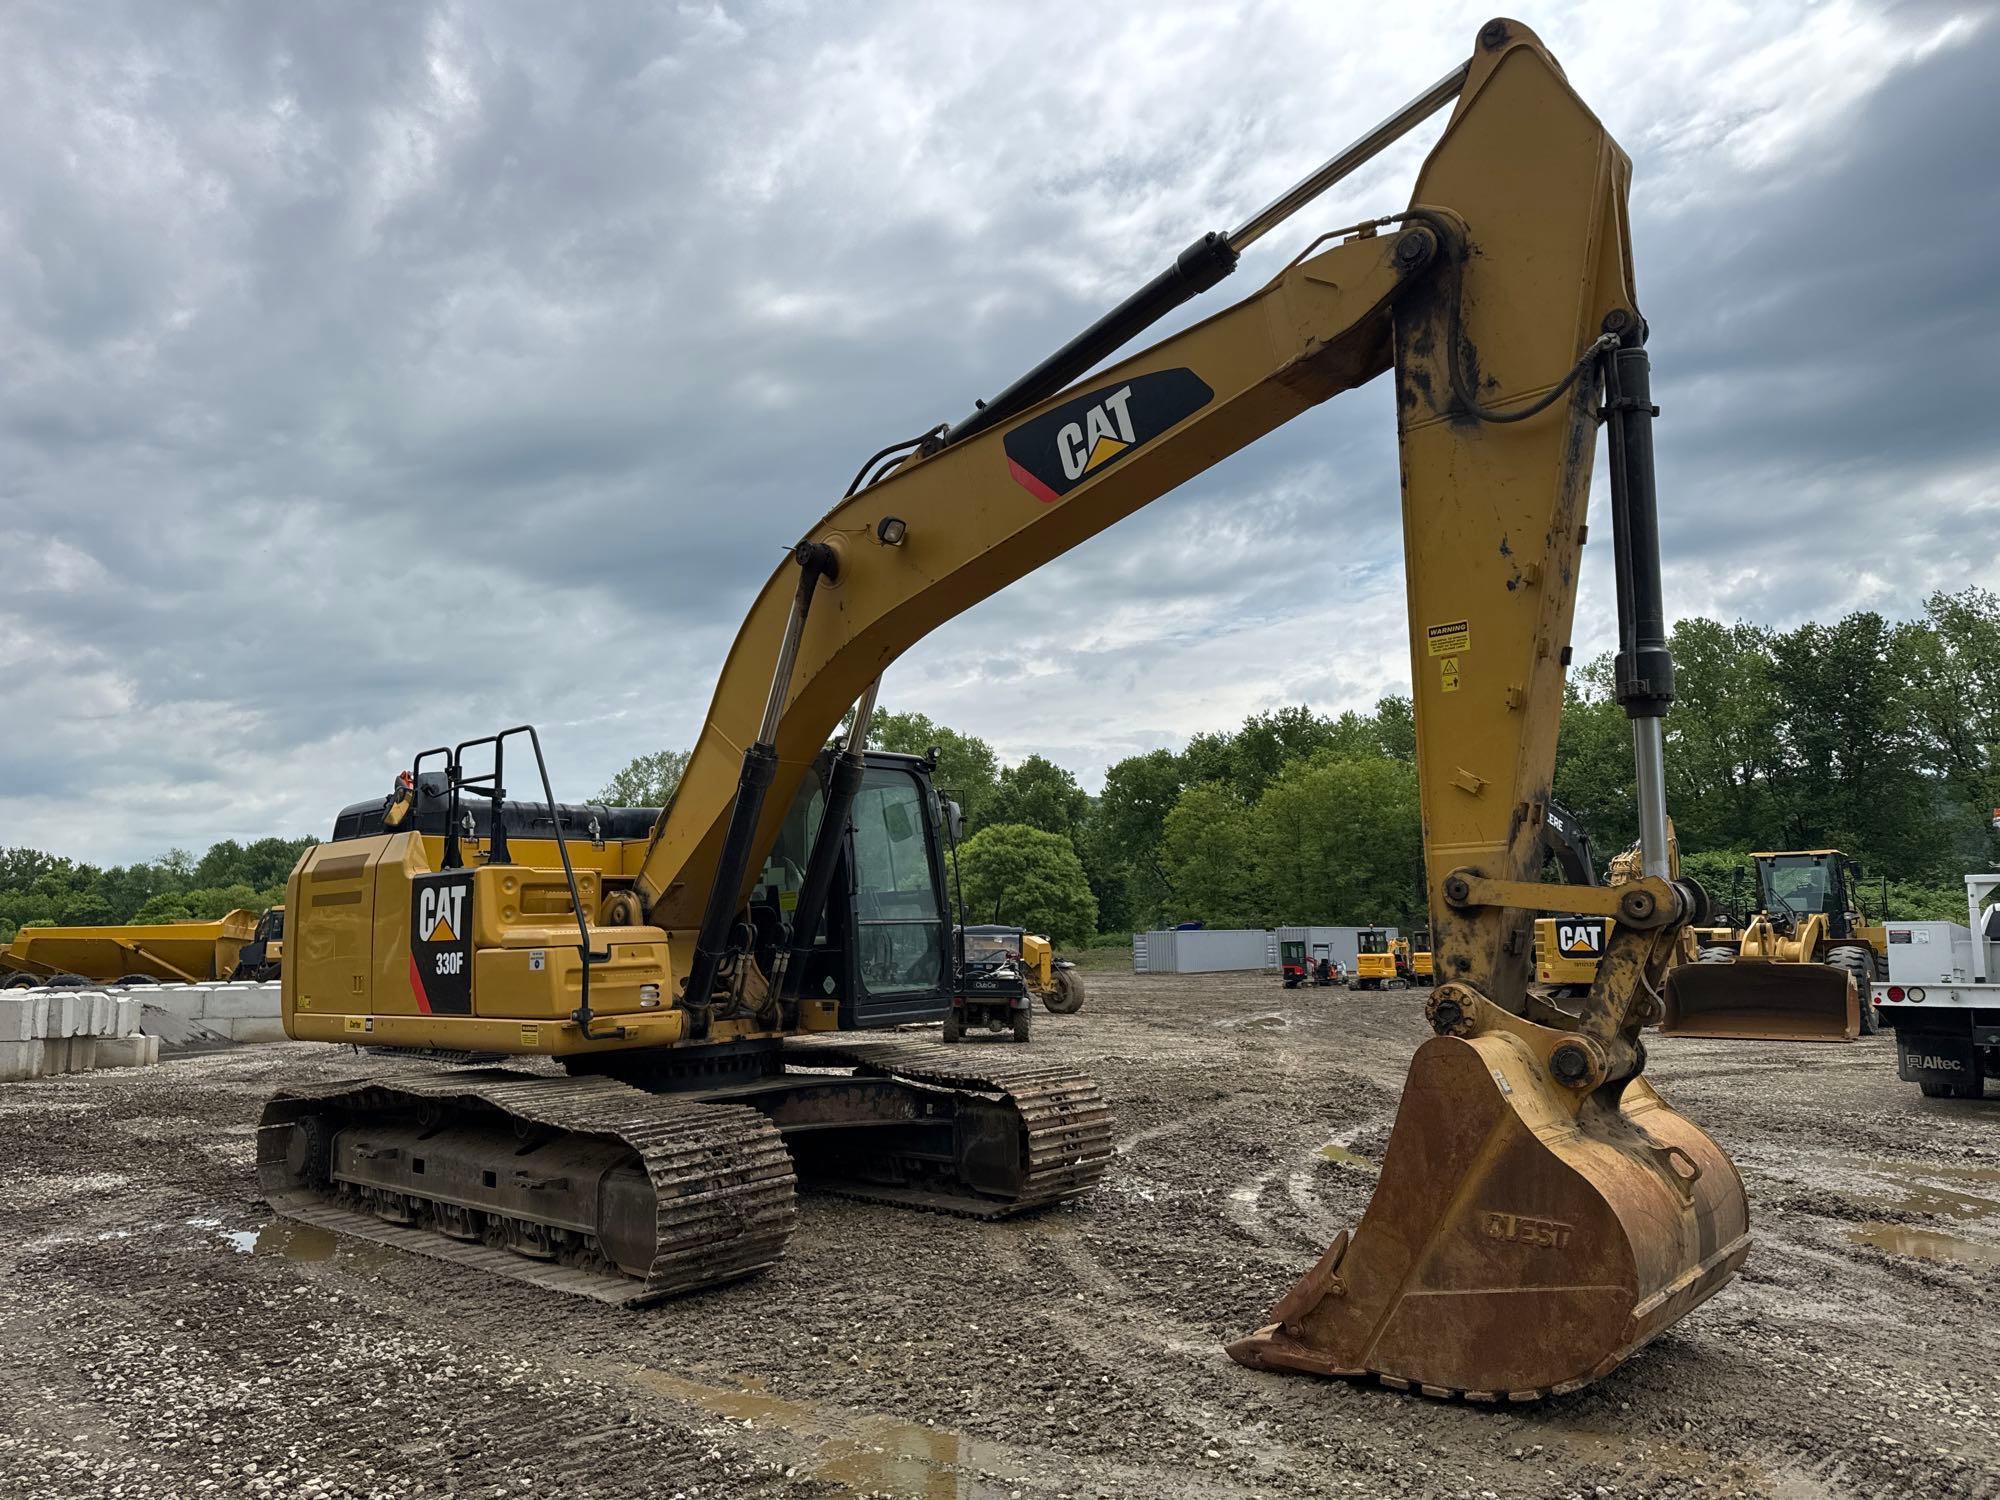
(1522, 1241)
(1771, 1002)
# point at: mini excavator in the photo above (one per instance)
(693, 986)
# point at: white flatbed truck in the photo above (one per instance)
(1943, 1002)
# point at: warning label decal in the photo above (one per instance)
(1448, 640)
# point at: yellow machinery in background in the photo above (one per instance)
(1053, 981)
(237, 945)
(1414, 964)
(1803, 968)
(1541, 1212)
(1375, 960)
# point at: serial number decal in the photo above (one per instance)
(1519, 1229)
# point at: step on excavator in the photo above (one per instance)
(688, 999)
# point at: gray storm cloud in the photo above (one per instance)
(377, 376)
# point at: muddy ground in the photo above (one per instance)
(161, 1335)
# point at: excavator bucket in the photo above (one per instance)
(1523, 1240)
(1771, 1002)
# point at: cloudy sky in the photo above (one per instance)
(374, 376)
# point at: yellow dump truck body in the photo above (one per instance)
(172, 952)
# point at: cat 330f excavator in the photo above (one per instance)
(1541, 1212)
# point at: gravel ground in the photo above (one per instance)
(163, 1336)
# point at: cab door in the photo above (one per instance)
(900, 967)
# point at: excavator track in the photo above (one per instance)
(1065, 1123)
(546, 1155)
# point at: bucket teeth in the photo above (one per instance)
(1519, 1245)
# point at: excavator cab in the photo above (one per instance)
(1292, 962)
(1802, 969)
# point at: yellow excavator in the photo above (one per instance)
(701, 977)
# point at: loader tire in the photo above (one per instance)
(1859, 964)
(1716, 956)
(1065, 997)
(1021, 1022)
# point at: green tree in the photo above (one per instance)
(165, 908)
(647, 780)
(1267, 742)
(1031, 878)
(967, 767)
(1396, 727)
(1950, 663)
(1122, 845)
(1849, 775)
(1338, 840)
(1722, 735)
(1041, 794)
(87, 909)
(1205, 851)
(1594, 760)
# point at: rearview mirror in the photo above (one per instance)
(954, 819)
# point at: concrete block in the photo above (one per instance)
(21, 1059)
(55, 1056)
(121, 1052)
(241, 1001)
(82, 1054)
(127, 1020)
(22, 1016)
(103, 1013)
(253, 1028)
(152, 1049)
(182, 1000)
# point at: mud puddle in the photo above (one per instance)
(1340, 1156)
(1925, 1244)
(1915, 1195)
(863, 1453)
(281, 1237)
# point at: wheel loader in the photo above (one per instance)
(692, 991)
(1803, 967)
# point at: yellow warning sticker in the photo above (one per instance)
(360, 1023)
(531, 1036)
(1448, 674)
(1449, 639)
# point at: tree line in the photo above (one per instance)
(1880, 738)
(46, 890)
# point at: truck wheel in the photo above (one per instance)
(1952, 1090)
(1021, 1020)
(954, 1026)
(1859, 965)
(1716, 956)
(1066, 997)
